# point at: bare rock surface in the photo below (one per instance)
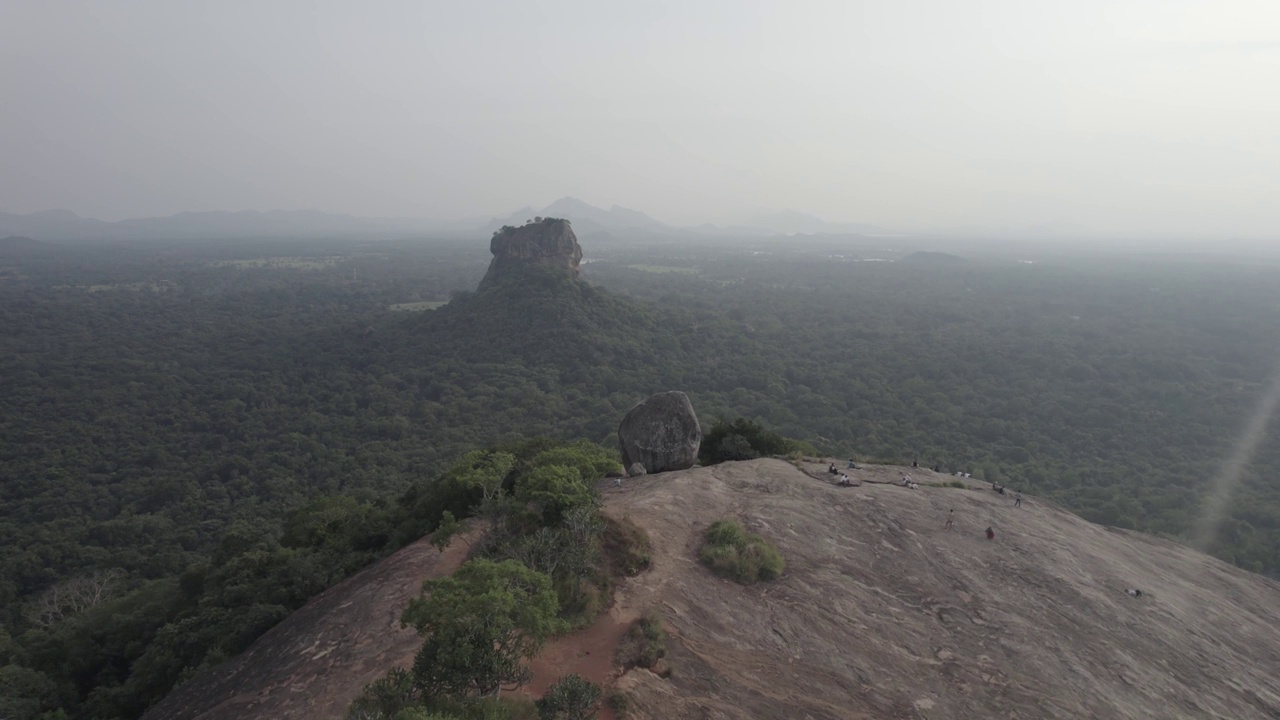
(549, 242)
(315, 662)
(882, 613)
(661, 433)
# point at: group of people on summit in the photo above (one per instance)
(844, 481)
(990, 533)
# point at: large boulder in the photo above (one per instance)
(661, 433)
(548, 242)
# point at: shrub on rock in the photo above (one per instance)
(732, 552)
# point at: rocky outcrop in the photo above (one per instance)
(884, 612)
(661, 433)
(548, 242)
(317, 660)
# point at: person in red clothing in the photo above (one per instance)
(991, 534)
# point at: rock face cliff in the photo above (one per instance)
(548, 242)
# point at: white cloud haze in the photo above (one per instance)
(1130, 117)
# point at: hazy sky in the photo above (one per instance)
(1124, 117)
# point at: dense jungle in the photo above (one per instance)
(197, 437)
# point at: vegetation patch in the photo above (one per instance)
(644, 644)
(617, 702)
(732, 552)
(571, 698)
(627, 547)
(280, 263)
(664, 269)
(743, 439)
(417, 306)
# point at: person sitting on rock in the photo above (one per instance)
(845, 481)
(832, 469)
(991, 534)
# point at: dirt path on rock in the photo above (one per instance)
(588, 653)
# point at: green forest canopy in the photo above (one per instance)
(183, 428)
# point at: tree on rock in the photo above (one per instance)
(571, 698)
(480, 625)
(743, 439)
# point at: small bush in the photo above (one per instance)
(571, 698)
(644, 644)
(726, 533)
(626, 547)
(732, 552)
(581, 608)
(618, 703)
(385, 697)
(743, 439)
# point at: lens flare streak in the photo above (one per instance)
(1225, 484)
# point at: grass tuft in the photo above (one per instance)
(732, 552)
(644, 644)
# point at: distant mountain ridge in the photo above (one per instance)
(17, 245)
(65, 225)
(791, 222)
(617, 221)
(586, 218)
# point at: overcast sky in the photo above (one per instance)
(1154, 116)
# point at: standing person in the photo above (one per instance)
(991, 534)
(1017, 499)
(951, 515)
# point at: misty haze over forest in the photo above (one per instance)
(1138, 119)
(291, 291)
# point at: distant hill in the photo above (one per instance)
(787, 222)
(541, 317)
(15, 245)
(64, 225)
(881, 613)
(585, 218)
(791, 222)
(617, 221)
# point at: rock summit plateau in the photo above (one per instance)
(548, 242)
